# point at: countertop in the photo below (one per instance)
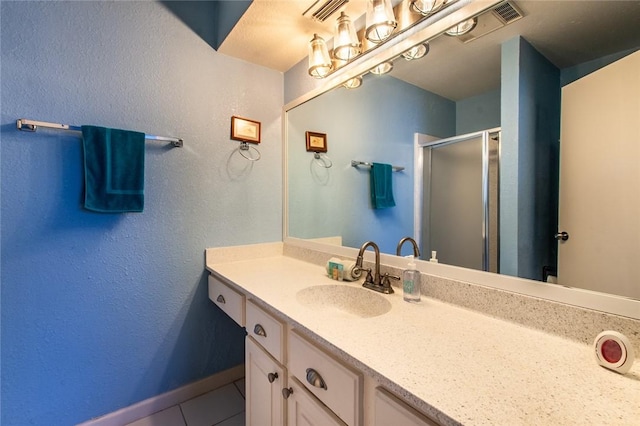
(456, 365)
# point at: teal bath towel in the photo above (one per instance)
(381, 188)
(113, 170)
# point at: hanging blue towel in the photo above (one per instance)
(113, 170)
(381, 188)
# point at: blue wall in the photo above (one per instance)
(374, 123)
(476, 113)
(100, 311)
(529, 160)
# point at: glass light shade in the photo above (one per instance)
(383, 68)
(463, 27)
(319, 60)
(353, 83)
(427, 7)
(416, 52)
(380, 20)
(345, 43)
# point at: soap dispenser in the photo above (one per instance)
(411, 282)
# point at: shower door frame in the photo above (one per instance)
(422, 141)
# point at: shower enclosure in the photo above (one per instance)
(457, 202)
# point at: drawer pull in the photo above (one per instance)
(272, 377)
(259, 330)
(315, 379)
(286, 392)
(220, 299)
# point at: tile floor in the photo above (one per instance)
(220, 407)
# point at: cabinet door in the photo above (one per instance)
(305, 410)
(391, 411)
(265, 379)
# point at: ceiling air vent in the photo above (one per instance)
(321, 10)
(494, 19)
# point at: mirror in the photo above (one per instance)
(456, 89)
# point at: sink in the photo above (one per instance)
(343, 299)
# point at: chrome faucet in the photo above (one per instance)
(377, 282)
(416, 250)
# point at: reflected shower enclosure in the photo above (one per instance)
(460, 200)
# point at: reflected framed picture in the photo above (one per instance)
(243, 129)
(316, 142)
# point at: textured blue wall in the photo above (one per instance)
(529, 160)
(374, 123)
(100, 311)
(478, 112)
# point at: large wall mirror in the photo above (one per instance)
(508, 78)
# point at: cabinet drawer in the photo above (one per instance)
(336, 385)
(229, 300)
(389, 410)
(266, 330)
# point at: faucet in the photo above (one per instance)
(377, 282)
(416, 250)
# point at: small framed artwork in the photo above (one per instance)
(316, 142)
(243, 129)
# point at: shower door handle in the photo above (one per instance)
(562, 236)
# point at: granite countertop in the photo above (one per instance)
(456, 365)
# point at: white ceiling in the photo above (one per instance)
(274, 34)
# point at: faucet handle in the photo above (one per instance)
(386, 279)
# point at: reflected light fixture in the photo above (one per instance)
(462, 27)
(353, 83)
(346, 45)
(427, 7)
(383, 68)
(416, 52)
(319, 60)
(380, 21)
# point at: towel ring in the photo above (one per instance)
(323, 160)
(244, 146)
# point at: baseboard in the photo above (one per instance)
(169, 399)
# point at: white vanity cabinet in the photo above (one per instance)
(305, 410)
(264, 379)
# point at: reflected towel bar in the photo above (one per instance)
(32, 126)
(355, 163)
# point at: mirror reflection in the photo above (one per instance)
(514, 78)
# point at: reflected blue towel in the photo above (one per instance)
(381, 188)
(113, 170)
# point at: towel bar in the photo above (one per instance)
(32, 125)
(355, 163)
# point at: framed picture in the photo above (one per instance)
(243, 129)
(316, 142)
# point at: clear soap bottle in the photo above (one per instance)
(411, 282)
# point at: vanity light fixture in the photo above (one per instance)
(346, 45)
(383, 68)
(353, 83)
(462, 27)
(380, 20)
(319, 60)
(416, 52)
(427, 7)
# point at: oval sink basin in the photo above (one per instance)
(342, 299)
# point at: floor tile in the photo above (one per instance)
(237, 420)
(240, 385)
(213, 407)
(169, 417)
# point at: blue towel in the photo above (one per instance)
(113, 170)
(381, 188)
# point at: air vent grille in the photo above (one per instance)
(507, 12)
(323, 11)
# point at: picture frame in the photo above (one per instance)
(316, 142)
(245, 130)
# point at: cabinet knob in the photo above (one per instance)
(286, 392)
(220, 299)
(272, 377)
(315, 379)
(259, 330)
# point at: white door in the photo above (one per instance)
(599, 203)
